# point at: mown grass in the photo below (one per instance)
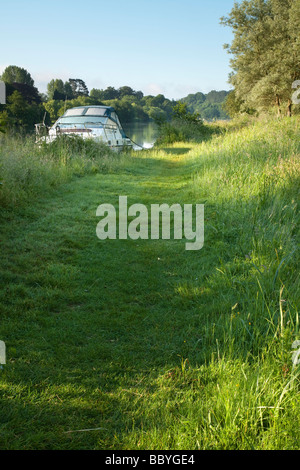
(149, 345)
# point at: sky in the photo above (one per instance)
(173, 47)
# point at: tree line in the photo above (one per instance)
(265, 66)
(26, 106)
(209, 106)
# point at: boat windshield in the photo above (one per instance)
(84, 120)
(75, 112)
(89, 111)
(96, 111)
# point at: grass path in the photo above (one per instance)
(92, 313)
(125, 337)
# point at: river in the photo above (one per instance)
(141, 133)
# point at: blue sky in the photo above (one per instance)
(174, 47)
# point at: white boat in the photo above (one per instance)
(99, 123)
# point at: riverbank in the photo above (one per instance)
(149, 345)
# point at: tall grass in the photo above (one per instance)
(151, 346)
(249, 179)
(180, 130)
(28, 169)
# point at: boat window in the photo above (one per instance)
(97, 120)
(111, 124)
(96, 111)
(115, 117)
(74, 112)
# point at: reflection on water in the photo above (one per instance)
(141, 133)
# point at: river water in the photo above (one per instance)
(141, 133)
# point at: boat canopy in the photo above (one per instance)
(91, 116)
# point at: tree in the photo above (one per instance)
(139, 95)
(125, 91)
(158, 100)
(55, 85)
(14, 74)
(58, 90)
(123, 108)
(68, 91)
(2, 123)
(78, 87)
(216, 96)
(23, 108)
(29, 93)
(180, 112)
(266, 51)
(110, 93)
(97, 94)
(20, 114)
(232, 106)
(53, 108)
(209, 105)
(157, 114)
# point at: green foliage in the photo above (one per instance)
(2, 126)
(72, 89)
(53, 108)
(195, 351)
(23, 108)
(209, 106)
(266, 52)
(55, 85)
(20, 114)
(155, 113)
(13, 74)
(170, 133)
(234, 105)
(96, 95)
(28, 170)
(58, 90)
(184, 126)
(131, 105)
(180, 111)
(78, 87)
(66, 147)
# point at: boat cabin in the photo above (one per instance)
(100, 123)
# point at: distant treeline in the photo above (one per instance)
(26, 106)
(209, 106)
(265, 62)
